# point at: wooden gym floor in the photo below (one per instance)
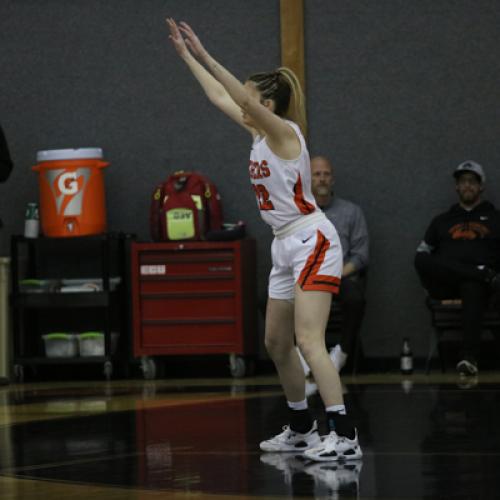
(423, 437)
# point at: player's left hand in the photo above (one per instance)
(192, 40)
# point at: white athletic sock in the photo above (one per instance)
(336, 409)
(297, 405)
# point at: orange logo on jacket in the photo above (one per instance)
(468, 231)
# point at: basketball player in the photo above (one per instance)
(306, 252)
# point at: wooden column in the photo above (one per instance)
(292, 37)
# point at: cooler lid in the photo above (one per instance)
(68, 154)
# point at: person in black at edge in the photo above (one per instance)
(5, 170)
(460, 257)
(5, 160)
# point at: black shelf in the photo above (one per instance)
(79, 360)
(66, 300)
(36, 313)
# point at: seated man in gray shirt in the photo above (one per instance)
(350, 223)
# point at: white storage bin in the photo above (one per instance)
(60, 345)
(38, 286)
(92, 343)
(88, 284)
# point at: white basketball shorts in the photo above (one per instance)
(310, 257)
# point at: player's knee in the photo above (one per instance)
(309, 345)
(276, 347)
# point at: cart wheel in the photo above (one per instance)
(148, 367)
(237, 366)
(19, 373)
(108, 369)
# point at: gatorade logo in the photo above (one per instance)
(67, 183)
(68, 188)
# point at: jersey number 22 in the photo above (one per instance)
(263, 197)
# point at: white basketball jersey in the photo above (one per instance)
(282, 187)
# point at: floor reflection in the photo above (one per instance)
(420, 440)
(463, 444)
(317, 480)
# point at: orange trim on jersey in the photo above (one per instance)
(309, 278)
(304, 206)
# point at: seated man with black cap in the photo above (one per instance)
(459, 257)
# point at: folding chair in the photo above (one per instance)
(446, 322)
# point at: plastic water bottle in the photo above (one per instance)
(406, 360)
(31, 221)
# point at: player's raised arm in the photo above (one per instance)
(258, 112)
(215, 91)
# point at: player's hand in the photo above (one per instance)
(176, 37)
(192, 40)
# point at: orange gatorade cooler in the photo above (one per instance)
(72, 201)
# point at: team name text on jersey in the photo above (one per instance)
(258, 170)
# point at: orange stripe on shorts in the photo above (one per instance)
(309, 278)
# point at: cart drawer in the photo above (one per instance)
(193, 305)
(186, 264)
(191, 284)
(169, 272)
(188, 334)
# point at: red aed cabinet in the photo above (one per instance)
(194, 298)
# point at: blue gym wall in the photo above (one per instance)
(398, 92)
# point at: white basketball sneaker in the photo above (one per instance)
(338, 356)
(289, 440)
(334, 447)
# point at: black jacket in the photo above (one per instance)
(471, 237)
(5, 160)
